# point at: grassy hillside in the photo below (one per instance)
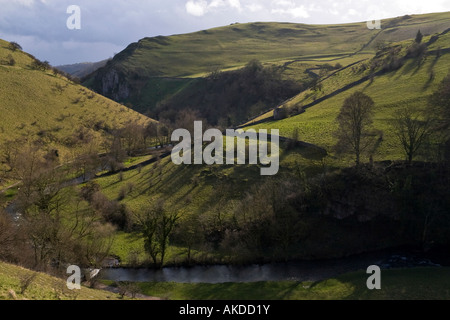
(45, 108)
(237, 44)
(409, 86)
(154, 69)
(215, 196)
(42, 287)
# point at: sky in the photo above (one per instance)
(106, 27)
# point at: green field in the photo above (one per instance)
(41, 105)
(408, 86)
(396, 284)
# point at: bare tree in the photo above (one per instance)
(131, 288)
(7, 238)
(355, 119)
(189, 234)
(157, 224)
(411, 132)
(133, 136)
(87, 163)
(185, 119)
(150, 130)
(41, 180)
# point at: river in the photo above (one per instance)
(292, 271)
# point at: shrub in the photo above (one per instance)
(13, 46)
(87, 192)
(111, 211)
(10, 60)
(416, 50)
(40, 65)
(26, 281)
(122, 193)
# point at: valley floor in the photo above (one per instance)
(429, 283)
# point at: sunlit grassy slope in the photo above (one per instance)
(155, 69)
(208, 191)
(42, 287)
(200, 191)
(41, 105)
(235, 45)
(408, 86)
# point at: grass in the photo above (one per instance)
(396, 284)
(408, 86)
(40, 105)
(45, 102)
(202, 191)
(159, 67)
(208, 191)
(42, 287)
(235, 45)
(429, 283)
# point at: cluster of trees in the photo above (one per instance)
(58, 225)
(47, 225)
(414, 129)
(9, 60)
(131, 139)
(229, 98)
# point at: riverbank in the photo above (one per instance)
(423, 283)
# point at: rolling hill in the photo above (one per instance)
(214, 195)
(41, 106)
(408, 85)
(81, 70)
(319, 206)
(154, 70)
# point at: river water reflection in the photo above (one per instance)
(296, 271)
